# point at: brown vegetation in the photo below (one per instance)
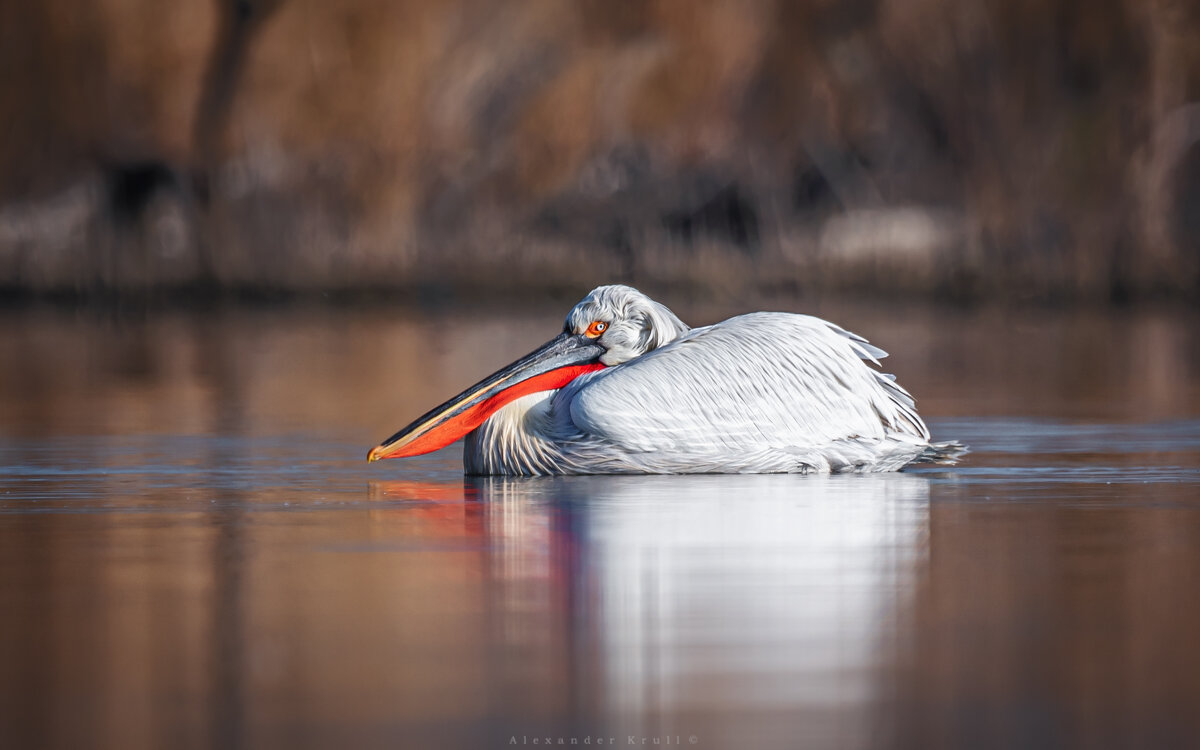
(963, 148)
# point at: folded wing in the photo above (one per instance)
(764, 388)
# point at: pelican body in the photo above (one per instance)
(628, 388)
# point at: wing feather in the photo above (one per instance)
(757, 384)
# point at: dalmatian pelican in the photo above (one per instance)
(628, 388)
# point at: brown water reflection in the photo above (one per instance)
(193, 553)
(369, 371)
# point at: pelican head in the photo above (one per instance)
(611, 325)
(624, 321)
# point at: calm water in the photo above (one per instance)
(193, 552)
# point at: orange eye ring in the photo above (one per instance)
(595, 329)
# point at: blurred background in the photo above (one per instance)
(962, 149)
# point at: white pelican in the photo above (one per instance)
(628, 388)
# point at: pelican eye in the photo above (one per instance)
(595, 329)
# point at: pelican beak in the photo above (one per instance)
(552, 366)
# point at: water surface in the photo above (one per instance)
(193, 552)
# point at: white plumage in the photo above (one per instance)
(758, 393)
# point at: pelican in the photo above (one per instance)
(628, 388)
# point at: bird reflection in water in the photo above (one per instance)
(746, 609)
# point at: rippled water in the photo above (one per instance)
(193, 552)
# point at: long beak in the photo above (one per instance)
(552, 366)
